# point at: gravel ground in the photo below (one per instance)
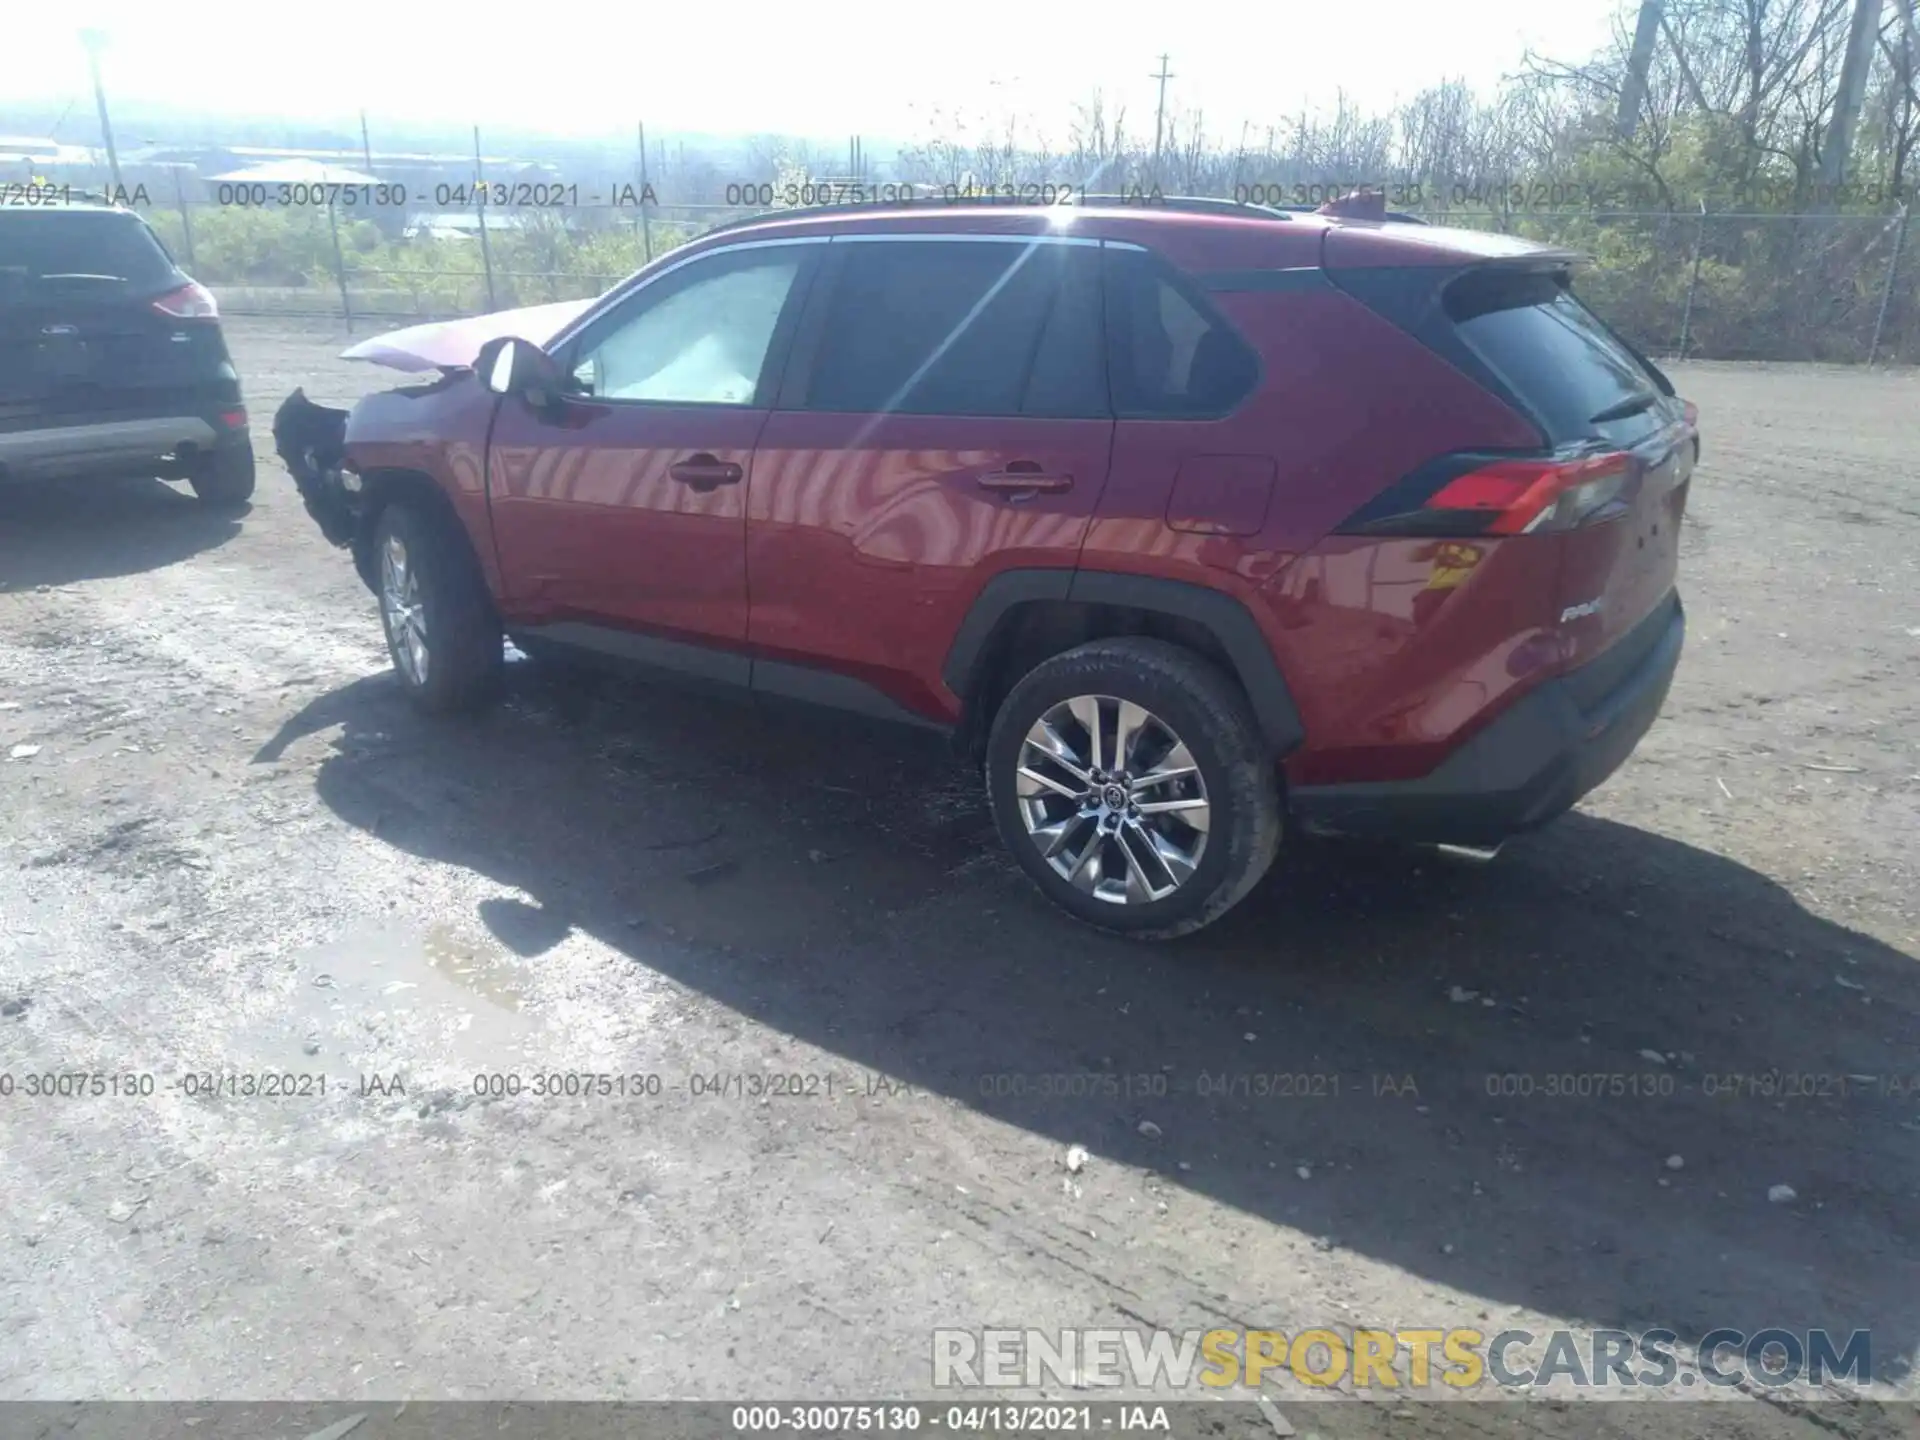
(236, 851)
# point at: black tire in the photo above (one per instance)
(462, 638)
(224, 479)
(1206, 711)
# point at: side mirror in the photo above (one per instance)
(511, 366)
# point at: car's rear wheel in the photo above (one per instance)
(442, 631)
(224, 478)
(1130, 782)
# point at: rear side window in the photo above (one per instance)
(1169, 354)
(1069, 376)
(41, 248)
(1554, 354)
(945, 327)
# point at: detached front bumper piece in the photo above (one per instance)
(1530, 765)
(311, 441)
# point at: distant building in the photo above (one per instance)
(460, 224)
(296, 171)
(216, 160)
(35, 157)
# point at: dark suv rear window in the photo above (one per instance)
(1553, 353)
(41, 247)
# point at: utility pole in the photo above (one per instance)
(95, 41)
(646, 210)
(1853, 93)
(366, 144)
(1633, 90)
(480, 214)
(1160, 114)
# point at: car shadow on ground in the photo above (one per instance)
(1478, 1074)
(58, 533)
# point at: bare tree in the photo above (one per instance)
(1448, 136)
(1099, 146)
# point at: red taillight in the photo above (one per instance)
(1692, 412)
(1465, 495)
(233, 419)
(192, 301)
(1518, 496)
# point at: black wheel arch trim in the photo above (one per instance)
(1223, 616)
(390, 484)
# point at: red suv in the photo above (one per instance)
(1188, 522)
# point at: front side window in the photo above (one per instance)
(703, 341)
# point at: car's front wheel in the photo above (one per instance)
(1131, 783)
(442, 631)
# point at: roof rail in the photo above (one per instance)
(1186, 204)
(1183, 204)
(1400, 217)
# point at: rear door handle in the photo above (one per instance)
(705, 472)
(1023, 477)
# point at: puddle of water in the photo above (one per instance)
(483, 968)
(417, 995)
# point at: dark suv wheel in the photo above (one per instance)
(224, 479)
(442, 631)
(1131, 783)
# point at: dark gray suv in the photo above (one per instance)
(111, 357)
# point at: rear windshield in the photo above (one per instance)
(1554, 354)
(45, 247)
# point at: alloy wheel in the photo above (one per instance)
(401, 608)
(1113, 799)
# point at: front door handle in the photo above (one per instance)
(705, 472)
(1021, 478)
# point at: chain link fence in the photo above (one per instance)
(1749, 286)
(1834, 288)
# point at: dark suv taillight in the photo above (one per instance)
(192, 301)
(1466, 495)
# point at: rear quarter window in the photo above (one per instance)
(1170, 355)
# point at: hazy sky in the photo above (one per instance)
(826, 68)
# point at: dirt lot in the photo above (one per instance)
(235, 851)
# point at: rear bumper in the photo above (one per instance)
(1529, 766)
(112, 446)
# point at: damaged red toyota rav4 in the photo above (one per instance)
(1192, 524)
